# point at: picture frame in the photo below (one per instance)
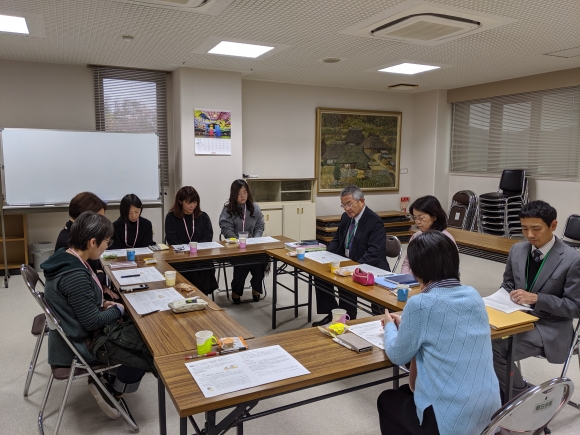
(361, 147)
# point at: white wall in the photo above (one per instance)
(279, 133)
(41, 95)
(211, 176)
(562, 195)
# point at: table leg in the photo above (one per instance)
(161, 405)
(210, 426)
(295, 292)
(395, 381)
(274, 292)
(240, 429)
(309, 298)
(183, 426)
(511, 362)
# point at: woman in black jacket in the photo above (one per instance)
(131, 229)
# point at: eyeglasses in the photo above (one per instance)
(418, 218)
(349, 205)
(109, 242)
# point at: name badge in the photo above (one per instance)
(347, 253)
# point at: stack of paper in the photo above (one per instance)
(502, 301)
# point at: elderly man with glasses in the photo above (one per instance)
(361, 237)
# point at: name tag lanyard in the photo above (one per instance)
(349, 237)
(529, 289)
(192, 227)
(136, 234)
(92, 273)
(244, 219)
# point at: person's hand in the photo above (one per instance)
(523, 297)
(396, 319)
(387, 319)
(110, 292)
(108, 304)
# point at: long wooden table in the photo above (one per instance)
(312, 349)
(482, 245)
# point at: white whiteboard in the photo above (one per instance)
(51, 166)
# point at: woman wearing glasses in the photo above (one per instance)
(241, 214)
(131, 229)
(428, 215)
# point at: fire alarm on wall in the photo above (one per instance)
(404, 203)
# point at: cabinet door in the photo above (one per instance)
(272, 222)
(291, 220)
(307, 221)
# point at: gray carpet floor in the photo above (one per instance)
(342, 415)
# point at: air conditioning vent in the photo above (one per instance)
(403, 87)
(425, 27)
(206, 7)
(182, 3)
(425, 24)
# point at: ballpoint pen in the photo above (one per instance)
(130, 276)
(200, 356)
(223, 352)
(150, 312)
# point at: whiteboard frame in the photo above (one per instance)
(40, 206)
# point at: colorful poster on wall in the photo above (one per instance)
(213, 132)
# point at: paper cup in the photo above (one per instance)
(130, 255)
(192, 246)
(334, 265)
(170, 278)
(339, 316)
(242, 242)
(204, 340)
(300, 252)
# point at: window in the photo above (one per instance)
(535, 131)
(133, 101)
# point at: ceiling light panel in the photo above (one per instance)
(239, 49)
(409, 68)
(12, 24)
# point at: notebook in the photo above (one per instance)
(405, 278)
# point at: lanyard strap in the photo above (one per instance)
(136, 234)
(244, 219)
(349, 235)
(529, 289)
(92, 274)
(192, 228)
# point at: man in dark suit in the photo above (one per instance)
(543, 273)
(361, 237)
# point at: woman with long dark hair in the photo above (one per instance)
(240, 213)
(131, 229)
(186, 223)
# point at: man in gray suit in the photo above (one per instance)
(543, 273)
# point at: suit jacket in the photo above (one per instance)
(369, 242)
(558, 289)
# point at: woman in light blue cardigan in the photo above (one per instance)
(444, 333)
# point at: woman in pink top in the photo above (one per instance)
(428, 215)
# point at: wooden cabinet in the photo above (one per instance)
(288, 206)
(14, 243)
(272, 221)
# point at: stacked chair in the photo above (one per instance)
(571, 235)
(462, 213)
(498, 211)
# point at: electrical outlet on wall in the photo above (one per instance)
(404, 170)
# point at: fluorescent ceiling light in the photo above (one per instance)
(408, 68)
(13, 24)
(238, 49)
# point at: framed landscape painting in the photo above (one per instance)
(361, 147)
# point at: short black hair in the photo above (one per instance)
(89, 225)
(85, 201)
(539, 209)
(433, 256)
(430, 205)
(126, 203)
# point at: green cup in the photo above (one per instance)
(205, 340)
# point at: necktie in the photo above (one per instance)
(350, 234)
(536, 254)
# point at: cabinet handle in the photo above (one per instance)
(267, 217)
(302, 211)
(297, 210)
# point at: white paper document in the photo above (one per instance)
(123, 252)
(245, 369)
(367, 268)
(137, 276)
(324, 257)
(153, 300)
(502, 301)
(372, 332)
(257, 240)
(201, 245)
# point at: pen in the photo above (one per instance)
(200, 356)
(130, 276)
(150, 312)
(336, 340)
(223, 352)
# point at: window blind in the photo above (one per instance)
(535, 131)
(128, 100)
